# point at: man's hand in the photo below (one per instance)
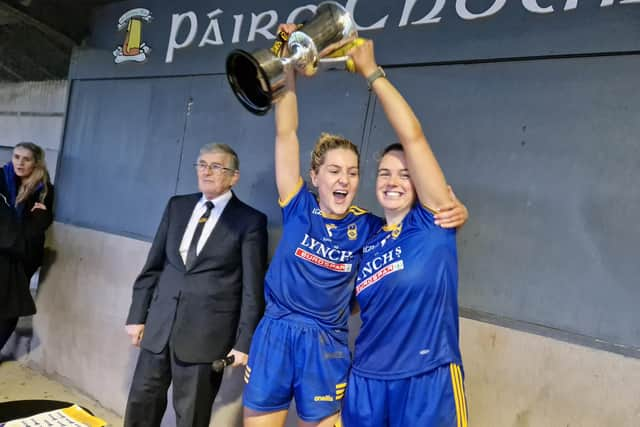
(240, 358)
(454, 215)
(135, 332)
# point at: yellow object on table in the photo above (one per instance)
(71, 416)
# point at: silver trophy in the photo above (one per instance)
(258, 78)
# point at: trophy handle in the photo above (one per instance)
(338, 60)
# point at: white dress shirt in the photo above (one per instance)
(219, 203)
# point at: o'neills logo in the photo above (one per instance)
(133, 48)
(379, 267)
(319, 254)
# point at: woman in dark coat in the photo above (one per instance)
(26, 202)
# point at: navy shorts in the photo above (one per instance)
(435, 398)
(295, 359)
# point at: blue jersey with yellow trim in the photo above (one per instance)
(407, 288)
(312, 270)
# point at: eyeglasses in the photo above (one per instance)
(214, 168)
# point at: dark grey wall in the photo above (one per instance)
(121, 153)
(131, 143)
(531, 115)
(545, 154)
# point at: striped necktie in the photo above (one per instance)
(192, 253)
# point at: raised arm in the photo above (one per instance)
(429, 181)
(287, 149)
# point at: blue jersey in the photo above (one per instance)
(407, 288)
(311, 273)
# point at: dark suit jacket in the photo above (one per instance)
(216, 305)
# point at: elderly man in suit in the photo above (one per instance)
(199, 296)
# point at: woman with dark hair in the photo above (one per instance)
(407, 366)
(26, 195)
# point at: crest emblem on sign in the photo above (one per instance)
(133, 48)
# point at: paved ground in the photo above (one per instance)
(19, 382)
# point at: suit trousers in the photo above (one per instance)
(195, 386)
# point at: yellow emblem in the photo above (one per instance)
(396, 231)
(133, 48)
(352, 232)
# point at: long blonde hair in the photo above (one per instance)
(39, 175)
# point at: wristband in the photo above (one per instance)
(379, 72)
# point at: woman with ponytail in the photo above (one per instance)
(26, 195)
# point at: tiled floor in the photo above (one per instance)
(18, 382)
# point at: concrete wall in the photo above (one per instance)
(512, 378)
(33, 111)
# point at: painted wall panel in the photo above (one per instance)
(121, 153)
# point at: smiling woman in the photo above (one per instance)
(406, 285)
(27, 197)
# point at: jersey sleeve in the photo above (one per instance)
(299, 202)
(373, 224)
(424, 218)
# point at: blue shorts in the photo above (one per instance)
(292, 359)
(435, 398)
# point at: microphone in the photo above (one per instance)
(220, 364)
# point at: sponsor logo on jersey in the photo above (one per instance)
(332, 254)
(374, 270)
(398, 265)
(321, 262)
(325, 398)
(371, 266)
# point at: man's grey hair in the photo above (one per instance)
(215, 147)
